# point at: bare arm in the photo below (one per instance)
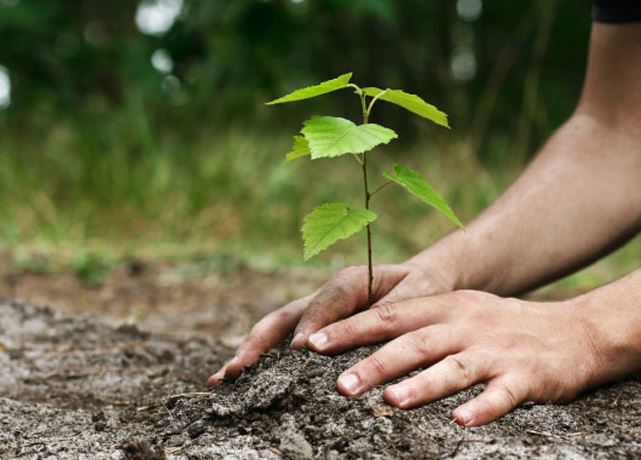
(579, 199)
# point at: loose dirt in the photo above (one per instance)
(76, 388)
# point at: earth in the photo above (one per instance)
(128, 382)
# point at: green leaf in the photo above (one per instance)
(414, 183)
(331, 222)
(334, 136)
(299, 149)
(410, 102)
(325, 87)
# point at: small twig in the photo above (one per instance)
(381, 187)
(357, 89)
(188, 395)
(456, 448)
(168, 410)
(163, 402)
(374, 99)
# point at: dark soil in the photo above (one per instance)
(75, 388)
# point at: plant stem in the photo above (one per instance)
(370, 270)
(381, 187)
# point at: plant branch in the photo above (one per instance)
(357, 88)
(373, 101)
(370, 271)
(381, 187)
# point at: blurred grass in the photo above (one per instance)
(113, 190)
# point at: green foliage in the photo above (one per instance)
(325, 87)
(410, 102)
(299, 149)
(333, 136)
(92, 268)
(414, 183)
(331, 222)
(328, 137)
(36, 264)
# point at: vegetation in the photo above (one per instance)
(123, 141)
(330, 137)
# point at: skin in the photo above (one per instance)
(445, 310)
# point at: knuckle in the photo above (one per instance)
(461, 366)
(509, 394)
(346, 328)
(387, 313)
(377, 366)
(332, 289)
(281, 316)
(487, 356)
(420, 342)
(318, 306)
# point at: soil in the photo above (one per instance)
(78, 388)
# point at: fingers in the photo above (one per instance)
(343, 295)
(378, 324)
(406, 353)
(452, 374)
(501, 396)
(412, 286)
(266, 334)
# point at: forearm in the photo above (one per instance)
(578, 200)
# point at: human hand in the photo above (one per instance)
(340, 297)
(523, 351)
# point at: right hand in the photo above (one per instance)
(343, 295)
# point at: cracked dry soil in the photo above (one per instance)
(74, 388)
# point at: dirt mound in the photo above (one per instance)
(73, 388)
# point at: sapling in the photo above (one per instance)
(330, 137)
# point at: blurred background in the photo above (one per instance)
(137, 130)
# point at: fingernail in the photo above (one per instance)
(215, 379)
(464, 416)
(318, 340)
(400, 395)
(297, 341)
(350, 382)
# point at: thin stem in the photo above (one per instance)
(381, 187)
(370, 271)
(357, 88)
(374, 99)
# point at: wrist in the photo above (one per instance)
(610, 326)
(442, 260)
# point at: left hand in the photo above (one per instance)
(523, 351)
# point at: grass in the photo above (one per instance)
(89, 197)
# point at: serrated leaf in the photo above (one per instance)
(325, 87)
(333, 136)
(414, 183)
(299, 149)
(331, 222)
(411, 102)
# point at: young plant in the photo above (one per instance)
(329, 137)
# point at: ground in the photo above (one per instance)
(131, 384)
